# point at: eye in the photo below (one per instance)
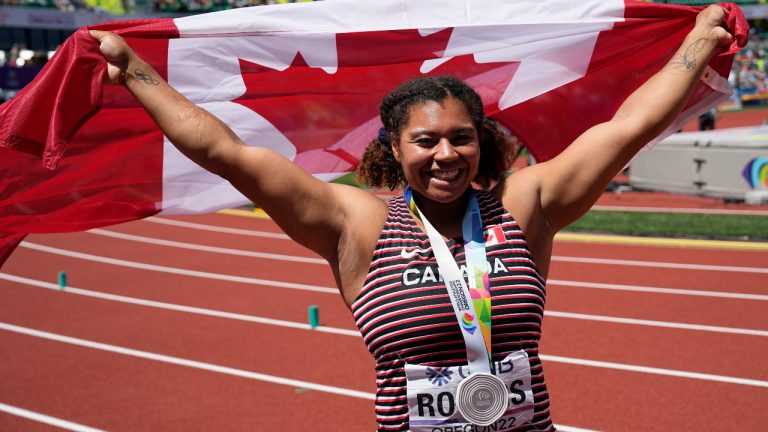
(425, 142)
(462, 138)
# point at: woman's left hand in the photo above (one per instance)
(710, 23)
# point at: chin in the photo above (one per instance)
(446, 193)
(446, 198)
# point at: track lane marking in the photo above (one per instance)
(657, 290)
(215, 228)
(573, 237)
(349, 392)
(659, 264)
(348, 332)
(734, 212)
(203, 248)
(345, 332)
(177, 307)
(327, 290)
(49, 420)
(660, 241)
(255, 213)
(572, 429)
(655, 371)
(76, 427)
(309, 260)
(185, 362)
(653, 323)
(179, 271)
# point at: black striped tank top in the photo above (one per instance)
(405, 315)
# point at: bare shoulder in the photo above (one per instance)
(366, 214)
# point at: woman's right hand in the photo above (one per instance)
(117, 53)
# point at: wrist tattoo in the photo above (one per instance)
(688, 58)
(140, 74)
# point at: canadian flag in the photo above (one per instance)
(306, 79)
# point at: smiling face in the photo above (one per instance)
(439, 150)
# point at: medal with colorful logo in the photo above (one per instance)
(481, 397)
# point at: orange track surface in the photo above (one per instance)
(731, 119)
(116, 391)
(108, 390)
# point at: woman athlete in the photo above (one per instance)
(396, 264)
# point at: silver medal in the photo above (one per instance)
(482, 398)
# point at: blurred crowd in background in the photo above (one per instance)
(749, 75)
(20, 56)
(120, 7)
(20, 61)
(194, 6)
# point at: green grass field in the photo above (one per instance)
(707, 226)
(726, 227)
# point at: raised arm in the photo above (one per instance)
(568, 185)
(312, 212)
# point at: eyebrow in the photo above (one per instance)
(462, 129)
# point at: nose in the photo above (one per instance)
(444, 151)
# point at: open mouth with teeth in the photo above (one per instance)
(445, 175)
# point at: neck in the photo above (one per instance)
(445, 217)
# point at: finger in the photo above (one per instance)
(99, 35)
(725, 12)
(727, 39)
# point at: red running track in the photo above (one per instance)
(152, 336)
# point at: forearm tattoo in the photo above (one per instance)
(688, 58)
(140, 74)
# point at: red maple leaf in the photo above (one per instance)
(314, 109)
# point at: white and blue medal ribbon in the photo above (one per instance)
(482, 397)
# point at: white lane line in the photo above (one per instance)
(347, 332)
(295, 258)
(658, 290)
(651, 323)
(327, 290)
(185, 362)
(572, 429)
(655, 371)
(179, 271)
(681, 266)
(42, 418)
(348, 392)
(745, 212)
(63, 424)
(568, 236)
(202, 248)
(218, 229)
(176, 307)
(188, 363)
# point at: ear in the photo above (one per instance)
(396, 151)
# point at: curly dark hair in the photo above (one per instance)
(379, 167)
